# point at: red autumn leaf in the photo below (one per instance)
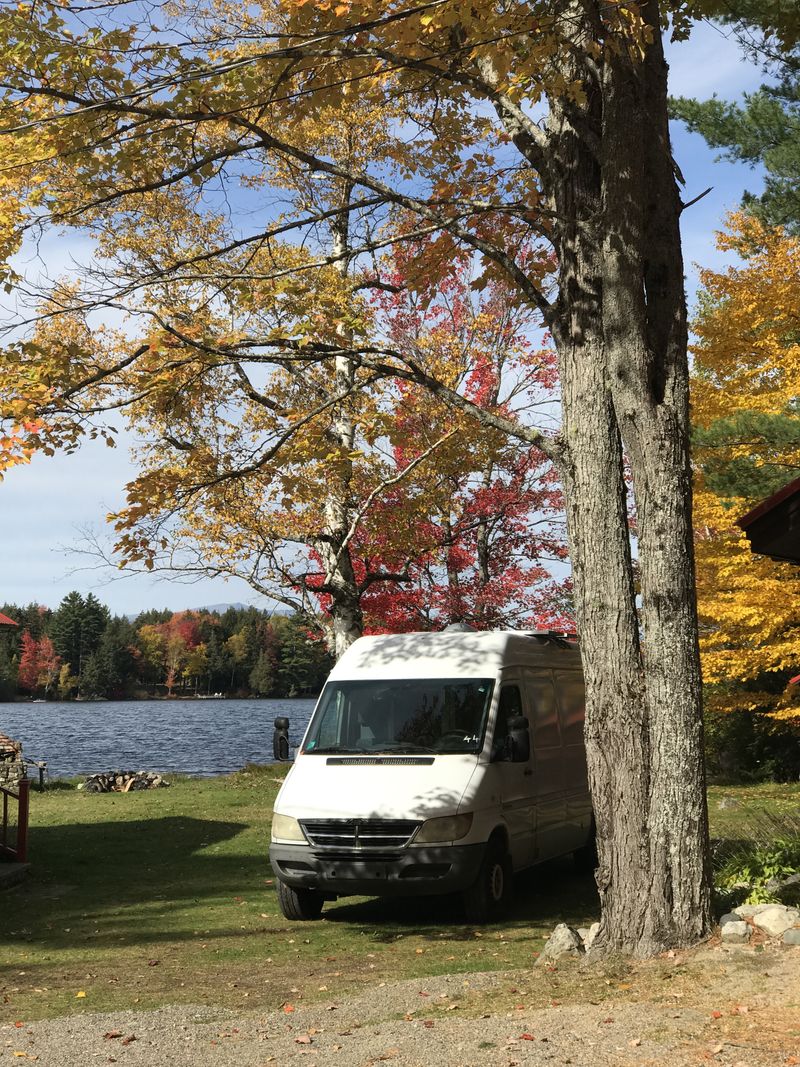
(527, 1037)
(288, 1009)
(127, 1040)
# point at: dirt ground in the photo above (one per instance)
(730, 1006)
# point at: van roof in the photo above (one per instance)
(479, 654)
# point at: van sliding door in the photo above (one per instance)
(512, 780)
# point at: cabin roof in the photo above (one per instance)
(773, 528)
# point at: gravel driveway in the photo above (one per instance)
(747, 1014)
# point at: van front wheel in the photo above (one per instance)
(301, 904)
(490, 893)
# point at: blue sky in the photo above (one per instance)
(46, 505)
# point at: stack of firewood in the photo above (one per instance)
(122, 782)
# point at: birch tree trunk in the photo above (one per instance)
(347, 621)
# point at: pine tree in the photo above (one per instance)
(765, 128)
(262, 677)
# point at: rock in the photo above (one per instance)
(729, 917)
(736, 933)
(591, 934)
(792, 936)
(774, 885)
(775, 919)
(563, 941)
(748, 911)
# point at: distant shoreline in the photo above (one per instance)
(150, 699)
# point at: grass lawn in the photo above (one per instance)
(142, 899)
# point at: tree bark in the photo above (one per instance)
(621, 340)
(347, 621)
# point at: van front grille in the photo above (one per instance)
(354, 834)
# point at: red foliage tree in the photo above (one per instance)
(486, 554)
(473, 534)
(38, 663)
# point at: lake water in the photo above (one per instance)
(199, 737)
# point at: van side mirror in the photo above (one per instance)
(519, 737)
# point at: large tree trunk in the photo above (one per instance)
(622, 351)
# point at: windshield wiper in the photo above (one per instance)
(329, 750)
(404, 749)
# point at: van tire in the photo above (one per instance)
(490, 894)
(303, 905)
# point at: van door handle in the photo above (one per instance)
(528, 772)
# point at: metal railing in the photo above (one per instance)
(14, 845)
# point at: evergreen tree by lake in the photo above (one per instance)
(82, 651)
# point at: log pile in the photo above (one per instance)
(122, 782)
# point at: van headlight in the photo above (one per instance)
(285, 828)
(447, 828)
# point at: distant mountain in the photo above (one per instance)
(222, 608)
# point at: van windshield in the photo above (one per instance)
(406, 716)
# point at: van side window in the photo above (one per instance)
(545, 713)
(509, 707)
(572, 706)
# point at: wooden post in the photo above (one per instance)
(22, 820)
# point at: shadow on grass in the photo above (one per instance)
(543, 896)
(123, 877)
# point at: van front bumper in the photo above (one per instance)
(423, 870)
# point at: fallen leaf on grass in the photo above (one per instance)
(716, 1014)
(428, 1024)
(153, 963)
(635, 1042)
(303, 1039)
(288, 1009)
(127, 1040)
(80, 993)
(111, 1035)
(527, 1037)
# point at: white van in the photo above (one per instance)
(436, 763)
